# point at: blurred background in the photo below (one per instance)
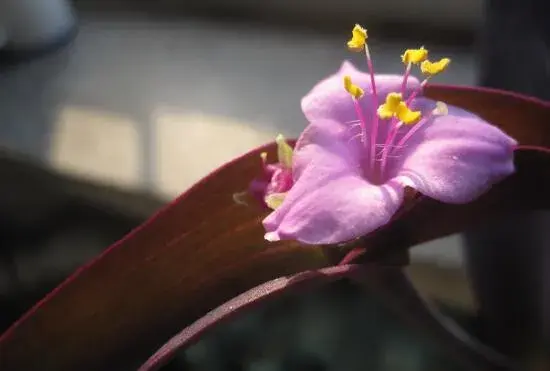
(108, 109)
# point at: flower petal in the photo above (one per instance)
(455, 158)
(330, 201)
(329, 100)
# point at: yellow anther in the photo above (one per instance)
(433, 68)
(393, 100)
(274, 200)
(388, 109)
(355, 91)
(407, 116)
(395, 107)
(358, 39)
(414, 56)
(284, 151)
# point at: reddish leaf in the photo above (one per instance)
(196, 253)
(389, 283)
(203, 249)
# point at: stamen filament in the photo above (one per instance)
(415, 93)
(374, 132)
(362, 121)
(394, 124)
(405, 78)
(387, 144)
(414, 129)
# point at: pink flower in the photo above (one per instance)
(276, 179)
(341, 192)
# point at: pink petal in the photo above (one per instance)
(329, 100)
(456, 157)
(330, 201)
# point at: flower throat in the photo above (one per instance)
(395, 112)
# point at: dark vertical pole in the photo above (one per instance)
(514, 47)
(506, 259)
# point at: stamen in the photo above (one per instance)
(360, 136)
(356, 93)
(441, 109)
(430, 69)
(388, 150)
(434, 68)
(358, 38)
(395, 108)
(405, 78)
(388, 146)
(388, 109)
(410, 57)
(414, 56)
(415, 93)
(381, 146)
(284, 151)
(392, 156)
(406, 115)
(358, 43)
(355, 124)
(359, 112)
(374, 132)
(274, 200)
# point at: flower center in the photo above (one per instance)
(394, 113)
